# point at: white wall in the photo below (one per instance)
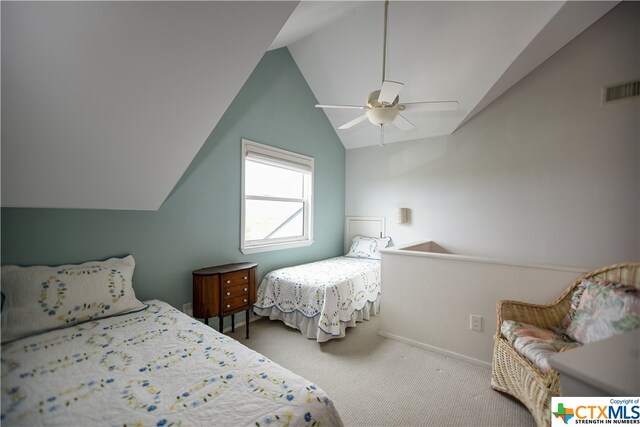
(428, 297)
(545, 174)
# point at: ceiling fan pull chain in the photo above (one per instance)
(384, 41)
(381, 135)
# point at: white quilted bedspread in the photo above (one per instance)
(332, 289)
(157, 367)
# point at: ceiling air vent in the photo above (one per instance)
(621, 91)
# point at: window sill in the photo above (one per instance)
(275, 247)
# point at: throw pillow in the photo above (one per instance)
(605, 309)
(40, 298)
(367, 247)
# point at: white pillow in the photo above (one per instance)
(41, 298)
(367, 247)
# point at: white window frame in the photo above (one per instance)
(278, 155)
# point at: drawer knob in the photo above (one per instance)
(245, 289)
(245, 300)
(228, 281)
(245, 277)
(228, 293)
(228, 306)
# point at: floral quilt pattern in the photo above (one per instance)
(157, 367)
(331, 289)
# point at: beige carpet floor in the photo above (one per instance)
(377, 381)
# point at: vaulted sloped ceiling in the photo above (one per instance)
(105, 104)
(470, 52)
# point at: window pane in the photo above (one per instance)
(266, 219)
(266, 180)
(291, 229)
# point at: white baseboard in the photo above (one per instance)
(436, 349)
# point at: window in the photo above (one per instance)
(276, 198)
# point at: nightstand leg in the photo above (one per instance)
(233, 323)
(221, 324)
(247, 322)
(206, 321)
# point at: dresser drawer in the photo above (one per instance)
(232, 291)
(230, 304)
(236, 278)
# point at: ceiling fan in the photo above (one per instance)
(383, 106)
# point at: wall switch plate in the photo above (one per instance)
(188, 309)
(475, 323)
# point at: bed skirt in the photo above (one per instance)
(308, 326)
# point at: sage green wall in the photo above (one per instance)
(199, 223)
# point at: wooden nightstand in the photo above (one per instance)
(224, 290)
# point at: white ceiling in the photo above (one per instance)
(105, 104)
(470, 52)
(309, 17)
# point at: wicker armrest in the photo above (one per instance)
(543, 316)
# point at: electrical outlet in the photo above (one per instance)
(188, 309)
(475, 323)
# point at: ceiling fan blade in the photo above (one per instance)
(353, 122)
(352, 107)
(389, 91)
(430, 106)
(402, 123)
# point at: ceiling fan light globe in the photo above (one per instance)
(381, 115)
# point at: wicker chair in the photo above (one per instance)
(516, 375)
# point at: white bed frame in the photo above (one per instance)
(369, 226)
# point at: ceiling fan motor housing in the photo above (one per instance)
(381, 113)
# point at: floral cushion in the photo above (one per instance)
(536, 344)
(605, 309)
(575, 302)
(577, 295)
